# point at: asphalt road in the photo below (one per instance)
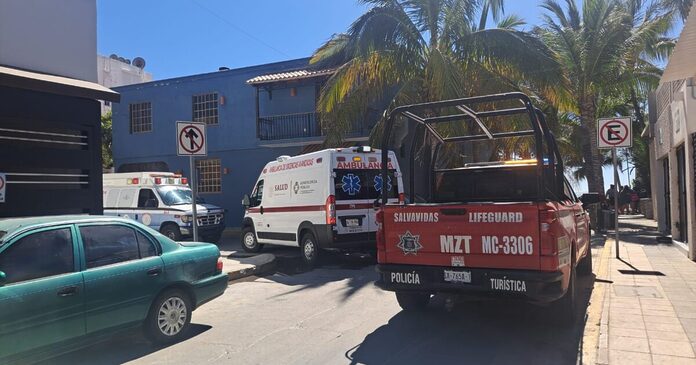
(335, 315)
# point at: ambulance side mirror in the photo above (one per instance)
(245, 201)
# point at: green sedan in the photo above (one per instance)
(67, 279)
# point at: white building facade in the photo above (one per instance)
(672, 133)
(115, 71)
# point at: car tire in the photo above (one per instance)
(413, 301)
(249, 242)
(564, 309)
(309, 250)
(585, 265)
(169, 317)
(172, 231)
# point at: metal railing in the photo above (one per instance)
(299, 125)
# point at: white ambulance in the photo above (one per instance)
(162, 201)
(323, 199)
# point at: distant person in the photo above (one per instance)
(625, 199)
(635, 200)
(610, 195)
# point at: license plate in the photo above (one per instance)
(457, 276)
(352, 222)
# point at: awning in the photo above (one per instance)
(289, 75)
(681, 62)
(21, 79)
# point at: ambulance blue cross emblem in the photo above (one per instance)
(408, 243)
(351, 184)
(378, 183)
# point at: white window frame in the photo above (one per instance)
(205, 108)
(140, 117)
(209, 176)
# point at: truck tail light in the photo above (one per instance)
(402, 198)
(218, 266)
(549, 241)
(380, 240)
(331, 210)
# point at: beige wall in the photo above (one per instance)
(57, 37)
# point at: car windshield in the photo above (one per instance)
(175, 195)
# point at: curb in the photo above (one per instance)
(590, 339)
(257, 265)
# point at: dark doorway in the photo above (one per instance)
(681, 189)
(668, 210)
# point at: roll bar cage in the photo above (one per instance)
(539, 130)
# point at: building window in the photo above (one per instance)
(209, 180)
(205, 108)
(140, 117)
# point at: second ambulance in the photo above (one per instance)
(319, 200)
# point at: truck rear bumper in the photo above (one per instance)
(532, 286)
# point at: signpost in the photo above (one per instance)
(614, 133)
(3, 185)
(191, 141)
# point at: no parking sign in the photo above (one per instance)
(614, 132)
(3, 184)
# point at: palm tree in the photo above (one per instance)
(681, 6)
(406, 51)
(605, 51)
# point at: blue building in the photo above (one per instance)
(253, 115)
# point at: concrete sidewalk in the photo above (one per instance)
(649, 309)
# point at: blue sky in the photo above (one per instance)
(185, 37)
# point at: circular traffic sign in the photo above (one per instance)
(191, 139)
(607, 132)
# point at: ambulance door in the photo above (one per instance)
(256, 212)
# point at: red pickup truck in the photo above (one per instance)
(489, 211)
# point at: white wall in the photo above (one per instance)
(113, 73)
(51, 36)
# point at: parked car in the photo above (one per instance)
(65, 280)
(323, 199)
(492, 214)
(163, 202)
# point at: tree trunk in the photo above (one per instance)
(592, 157)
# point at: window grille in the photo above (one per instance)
(209, 180)
(205, 108)
(140, 117)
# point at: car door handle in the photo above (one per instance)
(154, 271)
(67, 291)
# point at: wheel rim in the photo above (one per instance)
(309, 249)
(249, 240)
(172, 315)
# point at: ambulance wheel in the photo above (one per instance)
(564, 309)
(412, 301)
(309, 249)
(249, 242)
(585, 266)
(172, 231)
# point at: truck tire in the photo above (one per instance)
(585, 265)
(412, 301)
(249, 242)
(564, 309)
(172, 231)
(309, 249)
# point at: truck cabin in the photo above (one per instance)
(494, 148)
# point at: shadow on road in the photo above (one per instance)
(484, 332)
(111, 350)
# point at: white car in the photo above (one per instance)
(323, 199)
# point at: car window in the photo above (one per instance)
(38, 255)
(112, 198)
(145, 246)
(126, 198)
(107, 244)
(568, 191)
(147, 199)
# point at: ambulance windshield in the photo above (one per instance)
(175, 195)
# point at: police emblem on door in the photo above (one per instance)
(408, 243)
